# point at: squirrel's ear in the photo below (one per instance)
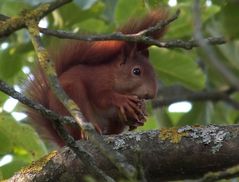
(123, 55)
(127, 52)
(145, 52)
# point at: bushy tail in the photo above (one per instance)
(136, 25)
(37, 89)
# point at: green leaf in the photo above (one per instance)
(19, 138)
(177, 67)
(10, 64)
(221, 2)
(1, 174)
(11, 7)
(9, 169)
(230, 19)
(109, 10)
(85, 4)
(72, 14)
(126, 9)
(156, 3)
(183, 26)
(3, 98)
(201, 113)
(6, 144)
(90, 24)
(150, 124)
(163, 118)
(209, 113)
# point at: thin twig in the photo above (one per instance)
(160, 25)
(49, 114)
(138, 37)
(132, 38)
(213, 96)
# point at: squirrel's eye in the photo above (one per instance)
(136, 71)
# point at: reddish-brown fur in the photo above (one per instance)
(99, 77)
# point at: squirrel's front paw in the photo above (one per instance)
(131, 110)
(135, 122)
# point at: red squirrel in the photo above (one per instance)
(108, 80)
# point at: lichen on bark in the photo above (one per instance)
(38, 165)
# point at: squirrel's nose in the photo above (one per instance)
(149, 91)
(149, 96)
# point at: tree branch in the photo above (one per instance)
(132, 38)
(12, 24)
(171, 154)
(214, 96)
(138, 37)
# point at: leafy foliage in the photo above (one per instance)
(173, 66)
(164, 62)
(20, 141)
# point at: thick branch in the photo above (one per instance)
(170, 154)
(12, 24)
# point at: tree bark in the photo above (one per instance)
(166, 154)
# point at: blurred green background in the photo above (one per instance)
(176, 68)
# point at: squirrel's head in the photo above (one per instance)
(134, 74)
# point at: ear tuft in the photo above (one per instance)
(151, 19)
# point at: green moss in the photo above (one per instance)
(26, 16)
(171, 134)
(35, 13)
(11, 24)
(38, 165)
(43, 58)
